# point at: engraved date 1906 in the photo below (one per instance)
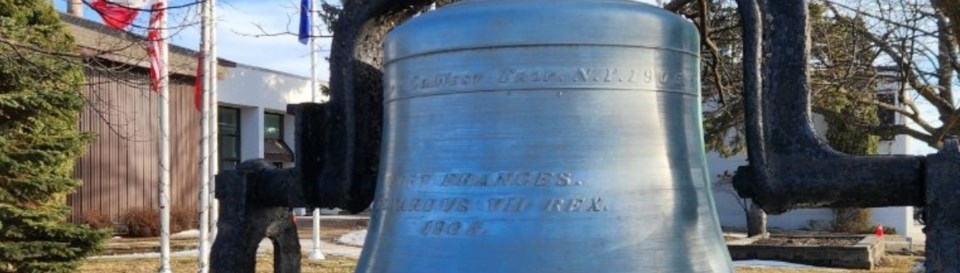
(452, 228)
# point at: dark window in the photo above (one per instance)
(887, 117)
(228, 124)
(272, 126)
(274, 148)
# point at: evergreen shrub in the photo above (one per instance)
(40, 106)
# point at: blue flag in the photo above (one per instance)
(306, 20)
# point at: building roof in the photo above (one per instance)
(99, 41)
(277, 150)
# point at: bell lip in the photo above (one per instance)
(487, 24)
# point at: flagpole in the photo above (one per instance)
(314, 88)
(164, 142)
(313, 54)
(204, 195)
(214, 123)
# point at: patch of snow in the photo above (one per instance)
(781, 264)
(193, 233)
(299, 211)
(918, 268)
(736, 235)
(766, 263)
(324, 212)
(355, 238)
(345, 217)
(334, 217)
(333, 211)
(331, 249)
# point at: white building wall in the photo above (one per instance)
(900, 145)
(732, 215)
(255, 87)
(256, 91)
(728, 210)
(900, 218)
(251, 132)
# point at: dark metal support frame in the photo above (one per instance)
(337, 147)
(791, 168)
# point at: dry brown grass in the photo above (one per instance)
(144, 245)
(330, 231)
(894, 264)
(891, 264)
(118, 246)
(264, 265)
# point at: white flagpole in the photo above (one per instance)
(314, 88)
(214, 122)
(204, 203)
(164, 144)
(313, 53)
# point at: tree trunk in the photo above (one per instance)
(756, 221)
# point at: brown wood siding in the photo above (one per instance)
(120, 167)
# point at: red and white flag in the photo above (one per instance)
(157, 68)
(118, 14)
(198, 84)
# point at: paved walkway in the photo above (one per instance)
(903, 244)
(266, 246)
(329, 249)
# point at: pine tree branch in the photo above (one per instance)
(16, 45)
(879, 130)
(913, 115)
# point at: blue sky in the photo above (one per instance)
(237, 21)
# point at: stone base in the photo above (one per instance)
(866, 254)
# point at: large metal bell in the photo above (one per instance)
(529, 136)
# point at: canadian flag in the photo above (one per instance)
(118, 14)
(158, 69)
(198, 84)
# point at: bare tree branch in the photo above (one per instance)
(906, 66)
(677, 5)
(716, 66)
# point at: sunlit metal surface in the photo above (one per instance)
(543, 136)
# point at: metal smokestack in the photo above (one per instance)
(75, 7)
